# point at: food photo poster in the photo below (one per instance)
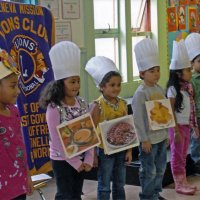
(78, 135)
(118, 134)
(160, 115)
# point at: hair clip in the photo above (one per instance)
(8, 61)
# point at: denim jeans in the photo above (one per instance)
(195, 148)
(111, 168)
(69, 182)
(152, 170)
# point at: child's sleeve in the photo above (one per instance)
(89, 157)
(53, 120)
(140, 116)
(171, 92)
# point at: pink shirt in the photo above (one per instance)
(56, 151)
(13, 164)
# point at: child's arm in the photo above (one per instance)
(128, 156)
(146, 146)
(196, 128)
(95, 113)
(91, 157)
(141, 120)
(95, 164)
(177, 135)
(88, 160)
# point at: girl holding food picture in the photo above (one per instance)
(107, 107)
(60, 98)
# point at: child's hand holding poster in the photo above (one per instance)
(118, 134)
(78, 135)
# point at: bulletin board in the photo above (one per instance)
(183, 17)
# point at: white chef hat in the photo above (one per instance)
(192, 43)
(65, 60)
(180, 58)
(146, 52)
(98, 67)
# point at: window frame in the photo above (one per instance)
(158, 34)
(140, 16)
(124, 33)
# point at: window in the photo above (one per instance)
(106, 29)
(140, 15)
(113, 31)
(107, 47)
(118, 26)
(105, 13)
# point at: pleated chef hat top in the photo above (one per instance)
(192, 43)
(99, 66)
(180, 58)
(65, 60)
(146, 52)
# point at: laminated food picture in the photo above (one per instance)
(118, 134)
(78, 135)
(160, 115)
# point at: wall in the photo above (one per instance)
(82, 33)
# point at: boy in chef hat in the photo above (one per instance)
(107, 107)
(62, 102)
(152, 143)
(192, 43)
(180, 93)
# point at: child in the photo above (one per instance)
(193, 46)
(14, 179)
(108, 106)
(152, 148)
(180, 93)
(61, 99)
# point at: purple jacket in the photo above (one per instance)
(53, 117)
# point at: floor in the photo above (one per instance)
(131, 191)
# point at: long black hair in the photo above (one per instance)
(175, 81)
(53, 93)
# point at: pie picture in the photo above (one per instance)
(118, 134)
(121, 134)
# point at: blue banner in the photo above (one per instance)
(27, 33)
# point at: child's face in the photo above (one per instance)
(72, 86)
(112, 88)
(196, 64)
(151, 76)
(186, 74)
(9, 89)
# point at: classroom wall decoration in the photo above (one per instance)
(67, 14)
(183, 17)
